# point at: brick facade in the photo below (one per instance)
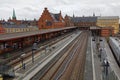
(14, 21)
(2, 30)
(84, 21)
(86, 24)
(49, 20)
(107, 31)
(68, 21)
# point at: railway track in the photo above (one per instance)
(17, 61)
(68, 65)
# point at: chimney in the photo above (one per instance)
(45, 8)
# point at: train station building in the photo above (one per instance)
(109, 21)
(53, 24)
(71, 39)
(50, 20)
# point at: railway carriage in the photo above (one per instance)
(115, 45)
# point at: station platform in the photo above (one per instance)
(98, 69)
(93, 69)
(41, 60)
(88, 72)
(114, 69)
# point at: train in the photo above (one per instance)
(114, 43)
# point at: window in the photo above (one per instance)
(1, 46)
(48, 23)
(42, 26)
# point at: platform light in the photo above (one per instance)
(34, 47)
(22, 57)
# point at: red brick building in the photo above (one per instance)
(30, 22)
(49, 20)
(2, 30)
(84, 22)
(102, 31)
(107, 31)
(20, 22)
(68, 21)
(14, 19)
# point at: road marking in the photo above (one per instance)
(93, 65)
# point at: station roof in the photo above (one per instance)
(10, 36)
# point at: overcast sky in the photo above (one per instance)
(31, 9)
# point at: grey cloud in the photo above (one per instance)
(30, 8)
(33, 8)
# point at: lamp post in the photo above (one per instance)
(34, 47)
(100, 53)
(22, 57)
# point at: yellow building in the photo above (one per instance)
(19, 28)
(109, 21)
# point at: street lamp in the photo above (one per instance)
(100, 53)
(34, 47)
(22, 57)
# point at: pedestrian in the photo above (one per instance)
(24, 66)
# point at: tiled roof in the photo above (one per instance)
(14, 26)
(55, 16)
(84, 19)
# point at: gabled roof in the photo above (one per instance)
(55, 16)
(68, 17)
